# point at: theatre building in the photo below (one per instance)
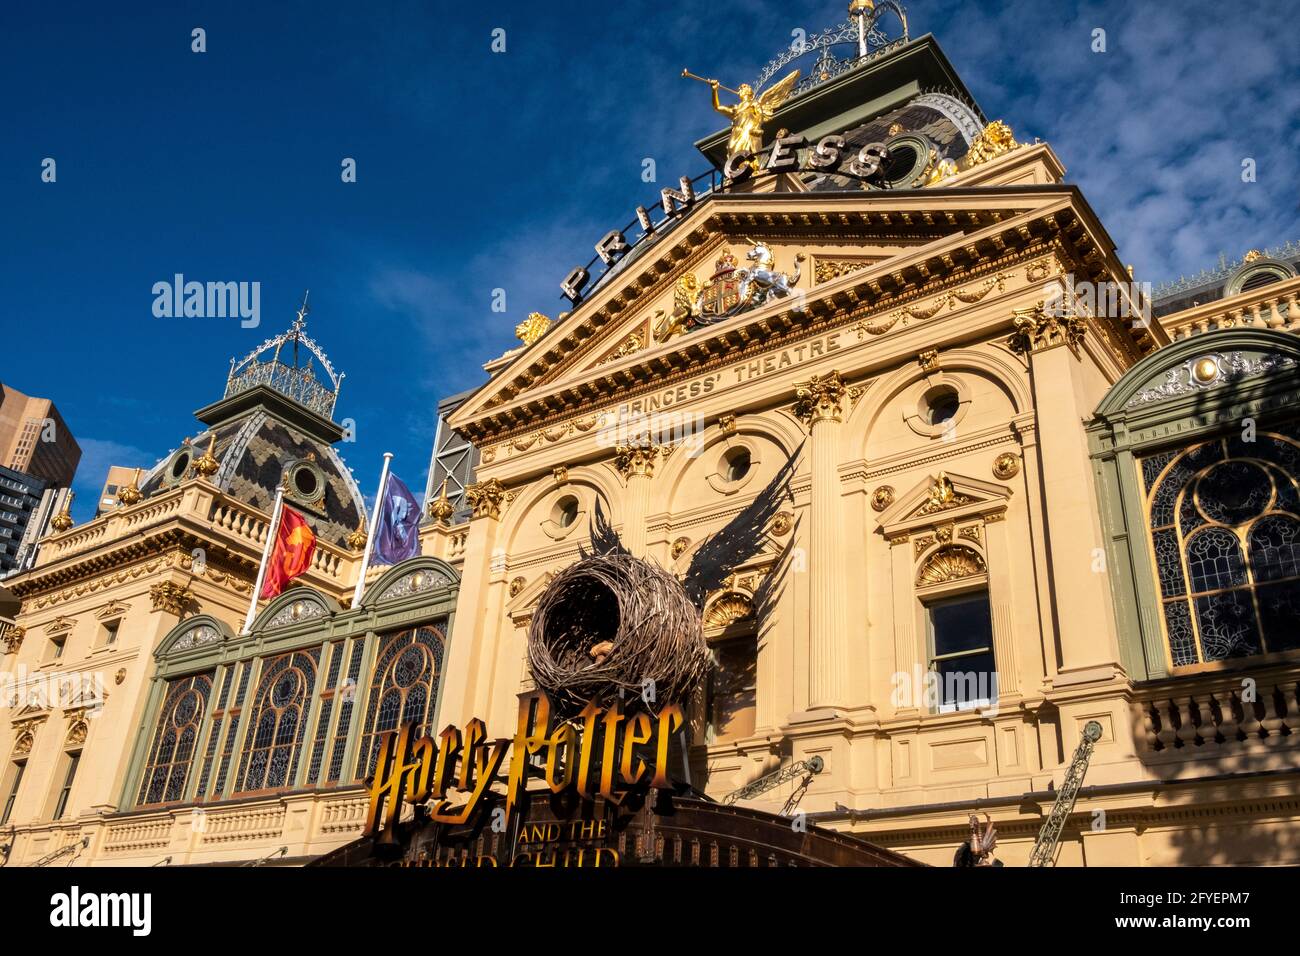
(1028, 495)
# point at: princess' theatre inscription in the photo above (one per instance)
(740, 374)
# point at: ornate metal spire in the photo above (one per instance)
(292, 380)
(857, 39)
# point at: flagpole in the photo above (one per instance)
(374, 531)
(266, 554)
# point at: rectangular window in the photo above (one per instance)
(109, 636)
(11, 791)
(61, 805)
(961, 652)
(55, 649)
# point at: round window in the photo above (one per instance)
(566, 511)
(305, 482)
(736, 464)
(941, 405)
(180, 464)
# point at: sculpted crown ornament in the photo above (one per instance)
(821, 397)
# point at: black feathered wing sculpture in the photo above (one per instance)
(739, 540)
(604, 537)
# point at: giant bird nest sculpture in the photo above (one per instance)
(611, 622)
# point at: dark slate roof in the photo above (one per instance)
(253, 450)
(913, 118)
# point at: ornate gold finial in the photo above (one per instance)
(1252, 255)
(130, 494)
(532, 328)
(861, 6)
(63, 520)
(207, 464)
(440, 509)
(357, 539)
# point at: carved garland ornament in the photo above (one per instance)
(922, 312)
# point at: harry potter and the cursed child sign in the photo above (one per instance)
(606, 753)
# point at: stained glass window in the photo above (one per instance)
(174, 739)
(1225, 530)
(277, 722)
(404, 688)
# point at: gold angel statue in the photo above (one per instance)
(749, 113)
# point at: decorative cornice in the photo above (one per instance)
(775, 326)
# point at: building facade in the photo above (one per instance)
(35, 440)
(1026, 497)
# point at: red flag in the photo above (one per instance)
(294, 546)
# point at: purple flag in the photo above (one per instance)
(396, 537)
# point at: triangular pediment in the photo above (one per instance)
(861, 249)
(941, 498)
(110, 610)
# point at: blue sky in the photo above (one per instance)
(479, 170)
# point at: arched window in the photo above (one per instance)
(174, 739)
(1224, 520)
(277, 722)
(403, 690)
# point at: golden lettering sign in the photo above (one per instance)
(613, 742)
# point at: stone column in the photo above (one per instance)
(1085, 626)
(819, 404)
(636, 463)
